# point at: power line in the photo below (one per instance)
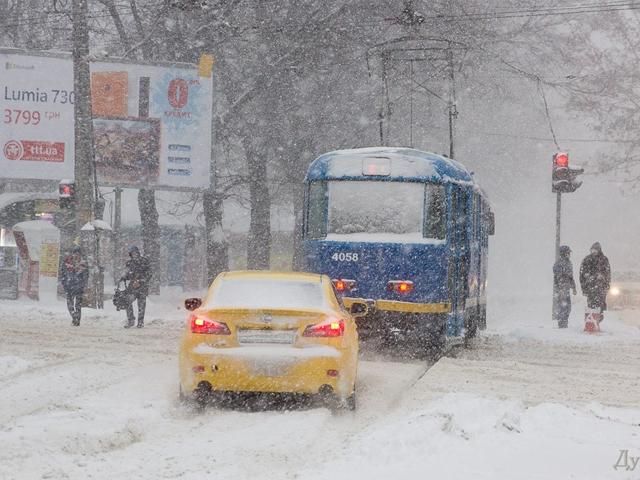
(547, 139)
(489, 15)
(547, 114)
(537, 12)
(577, 8)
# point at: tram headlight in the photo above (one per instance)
(615, 291)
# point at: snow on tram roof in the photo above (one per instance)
(405, 163)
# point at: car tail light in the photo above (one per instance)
(400, 286)
(201, 324)
(333, 328)
(344, 285)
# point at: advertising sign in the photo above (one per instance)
(152, 123)
(49, 253)
(36, 123)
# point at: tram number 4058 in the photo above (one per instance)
(345, 257)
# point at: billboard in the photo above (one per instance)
(152, 123)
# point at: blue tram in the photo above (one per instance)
(406, 231)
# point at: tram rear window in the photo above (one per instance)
(376, 211)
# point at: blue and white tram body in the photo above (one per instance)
(405, 230)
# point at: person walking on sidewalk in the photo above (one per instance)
(595, 278)
(74, 278)
(563, 284)
(138, 274)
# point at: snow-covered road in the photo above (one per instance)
(99, 401)
(528, 401)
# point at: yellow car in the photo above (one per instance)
(260, 331)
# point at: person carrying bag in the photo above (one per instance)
(138, 275)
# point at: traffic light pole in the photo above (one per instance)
(558, 216)
(554, 304)
(563, 180)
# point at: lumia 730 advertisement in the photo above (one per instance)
(152, 124)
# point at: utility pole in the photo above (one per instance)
(453, 111)
(117, 234)
(84, 167)
(84, 155)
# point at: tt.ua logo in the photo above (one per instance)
(13, 150)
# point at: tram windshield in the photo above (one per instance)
(376, 211)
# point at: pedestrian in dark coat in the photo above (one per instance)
(595, 278)
(74, 278)
(138, 274)
(563, 283)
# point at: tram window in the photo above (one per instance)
(434, 208)
(376, 207)
(317, 210)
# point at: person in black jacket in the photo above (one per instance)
(138, 274)
(74, 278)
(595, 278)
(563, 283)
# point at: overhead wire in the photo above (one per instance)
(469, 16)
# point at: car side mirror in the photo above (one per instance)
(491, 220)
(359, 309)
(192, 303)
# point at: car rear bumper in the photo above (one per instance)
(266, 369)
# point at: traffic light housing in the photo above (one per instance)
(66, 195)
(563, 177)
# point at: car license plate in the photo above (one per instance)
(249, 336)
(270, 369)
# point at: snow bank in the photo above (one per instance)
(467, 437)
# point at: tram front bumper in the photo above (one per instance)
(399, 306)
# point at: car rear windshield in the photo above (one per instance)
(267, 294)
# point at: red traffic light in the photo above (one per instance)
(563, 177)
(561, 160)
(66, 190)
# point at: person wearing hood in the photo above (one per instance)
(74, 277)
(595, 278)
(138, 274)
(563, 284)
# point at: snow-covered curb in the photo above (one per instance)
(463, 436)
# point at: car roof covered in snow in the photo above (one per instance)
(406, 164)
